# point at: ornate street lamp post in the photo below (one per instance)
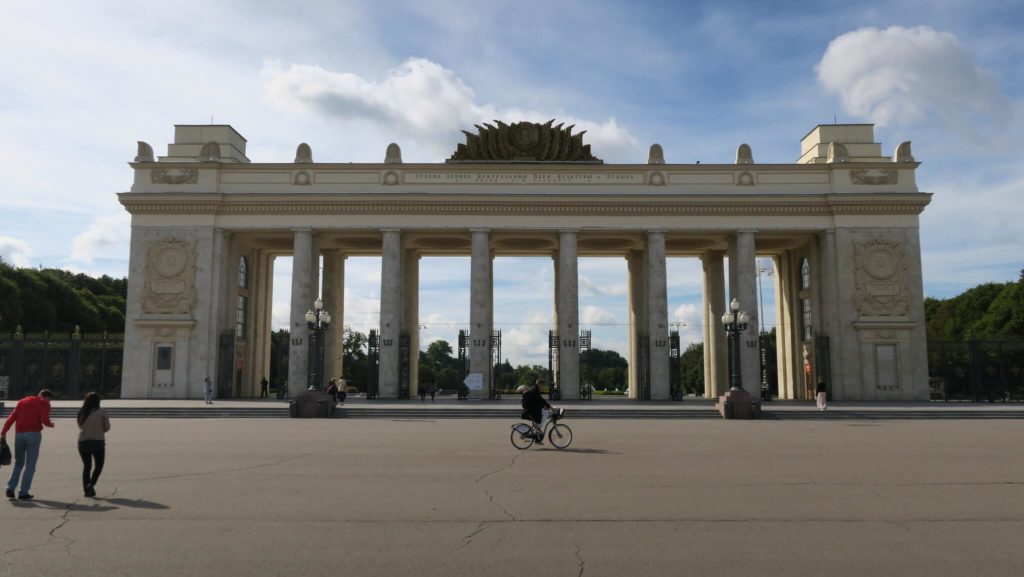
(317, 321)
(735, 322)
(766, 393)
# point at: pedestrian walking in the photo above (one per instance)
(423, 393)
(433, 392)
(93, 425)
(821, 393)
(208, 391)
(264, 388)
(342, 390)
(332, 390)
(29, 417)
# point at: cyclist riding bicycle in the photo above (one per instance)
(534, 404)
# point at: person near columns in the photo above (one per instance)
(264, 388)
(29, 417)
(537, 409)
(93, 425)
(208, 391)
(821, 393)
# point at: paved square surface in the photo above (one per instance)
(253, 497)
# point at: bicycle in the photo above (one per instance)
(524, 435)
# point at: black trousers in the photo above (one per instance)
(91, 451)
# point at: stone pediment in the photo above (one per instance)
(524, 142)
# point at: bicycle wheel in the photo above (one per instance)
(560, 436)
(522, 436)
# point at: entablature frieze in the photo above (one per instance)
(581, 205)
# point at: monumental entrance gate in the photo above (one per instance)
(840, 224)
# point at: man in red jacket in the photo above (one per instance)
(29, 417)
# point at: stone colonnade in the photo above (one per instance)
(647, 307)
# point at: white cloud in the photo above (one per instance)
(903, 75)
(419, 99)
(14, 251)
(105, 235)
(597, 316)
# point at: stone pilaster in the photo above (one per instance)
(657, 316)
(743, 286)
(411, 314)
(302, 301)
(390, 312)
(716, 353)
(334, 302)
(568, 315)
(636, 266)
(481, 301)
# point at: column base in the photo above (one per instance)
(308, 404)
(738, 405)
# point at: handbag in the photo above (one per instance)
(5, 453)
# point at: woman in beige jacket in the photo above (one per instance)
(93, 423)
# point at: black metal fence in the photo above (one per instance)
(976, 370)
(69, 365)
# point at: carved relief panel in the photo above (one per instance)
(170, 286)
(881, 278)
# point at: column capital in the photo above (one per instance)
(391, 230)
(479, 229)
(656, 231)
(746, 231)
(303, 229)
(568, 231)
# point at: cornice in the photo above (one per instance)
(515, 166)
(717, 205)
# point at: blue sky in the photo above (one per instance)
(81, 82)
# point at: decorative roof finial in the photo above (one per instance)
(903, 153)
(145, 153)
(744, 155)
(393, 154)
(656, 155)
(303, 154)
(210, 152)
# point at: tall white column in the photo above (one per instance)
(481, 302)
(830, 311)
(743, 286)
(411, 313)
(568, 316)
(657, 315)
(637, 317)
(334, 303)
(260, 303)
(390, 312)
(784, 346)
(716, 353)
(302, 301)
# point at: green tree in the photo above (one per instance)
(692, 361)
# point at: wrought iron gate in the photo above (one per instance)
(675, 366)
(553, 379)
(643, 369)
(404, 365)
(495, 392)
(68, 365)
(463, 354)
(586, 367)
(372, 365)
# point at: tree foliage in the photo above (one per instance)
(58, 300)
(987, 311)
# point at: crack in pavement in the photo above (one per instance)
(234, 470)
(582, 562)
(469, 538)
(51, 534)
(499, 505)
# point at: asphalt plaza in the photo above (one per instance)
(421, 496)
